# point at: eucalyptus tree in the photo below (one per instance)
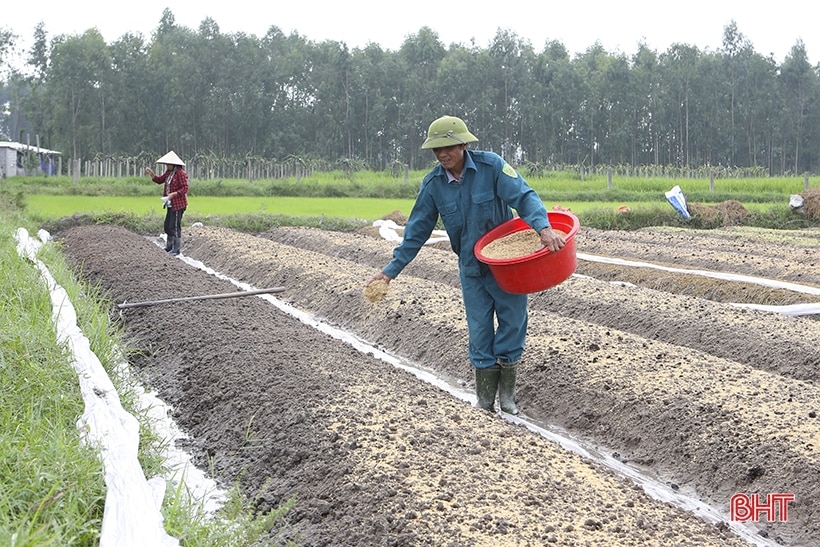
(16, 94)
(709, 112)
(6, 43)
(734, 43)
(397, 141)
(482, 112)
(32, 103)
(755, 107)
(286, 67)
(234, 114)
(592, 66)
(616, 105)
(646, 97)
(129, 128)
(331, 128)
(78, 75)
(463, 91)
(460, 83)
(178, 87)
(374, 80)
(537, 114)
(216, 72)
(799, 89)
(420, 56)
(752, 101)
(556, 106)
(207, 93)
(38, 55)
(249, 96)
(679, 65)
(508, 79)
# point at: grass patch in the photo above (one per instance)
(53, 486)
(49, 207)
(343, 201)
(255, 215)
(564, 186)
(53, 491)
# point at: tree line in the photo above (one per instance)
(276, 97)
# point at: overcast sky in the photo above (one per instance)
(772, 28)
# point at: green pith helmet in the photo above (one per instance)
(447, 131)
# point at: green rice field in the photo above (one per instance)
(53, 207)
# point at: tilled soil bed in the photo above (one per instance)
(658, 369)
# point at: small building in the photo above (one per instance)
(18, 160)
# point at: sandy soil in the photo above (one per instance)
(655, 369)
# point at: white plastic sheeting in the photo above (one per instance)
(793, 309)
(132, 504)
(389, 231)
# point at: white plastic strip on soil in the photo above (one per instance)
(794, 309)
(390, 231)
(651, 486)
(132, 504)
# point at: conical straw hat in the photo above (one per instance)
(171, 158)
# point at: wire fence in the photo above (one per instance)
(212, 167)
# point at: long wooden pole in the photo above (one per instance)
(125, 305)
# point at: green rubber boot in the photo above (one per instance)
(506, 387)
(486, 385)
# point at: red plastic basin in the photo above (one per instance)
(536, 271)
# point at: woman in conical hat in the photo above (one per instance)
(174, 197)
(171, 158)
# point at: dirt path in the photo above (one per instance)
(713, 398)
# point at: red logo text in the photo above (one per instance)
(774, 507)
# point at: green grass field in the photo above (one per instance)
(54, 207)
(50, 207)
(333, 201)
